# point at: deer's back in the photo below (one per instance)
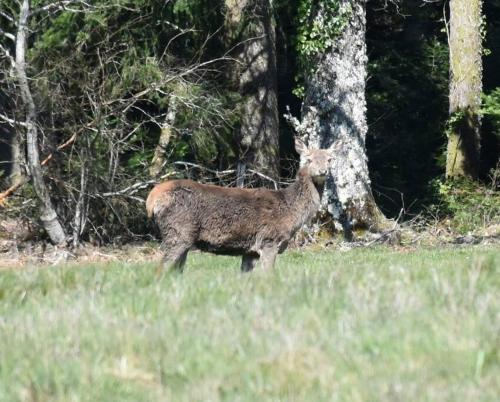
(226, 220)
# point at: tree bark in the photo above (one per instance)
(165, 136)
(18, 157)
(462, 158)
(48, 216)
(251, 24)
(334, 113)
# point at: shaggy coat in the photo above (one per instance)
(254, 223)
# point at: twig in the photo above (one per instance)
(11, 190)
(7, 35)
(218, 173)
(134, 188)
(264, 177)
(61, 5)
(387, 233)
(8, 17)
(59, 147)
(13, 122)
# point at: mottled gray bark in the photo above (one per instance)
(334, 113)
(251, 23)
(465, 88)
(48, 216)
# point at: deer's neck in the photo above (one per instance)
(303, 199)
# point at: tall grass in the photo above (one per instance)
(363, 325)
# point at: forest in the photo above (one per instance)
(102, 99)
(359, 139)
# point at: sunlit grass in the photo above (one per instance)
(363, 325)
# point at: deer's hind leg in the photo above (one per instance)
(175, 246)
(175, 258)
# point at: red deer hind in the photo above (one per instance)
(254, 223)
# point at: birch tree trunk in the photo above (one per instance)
(334, 114)
(251, 24)
(48, 216)
(462, 158)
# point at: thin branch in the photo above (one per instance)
(8, 35)
(293, 121)
(219, 173)
(61, 5)
(134, 188)
(262, 175)
(11, 190)
(7, 54)
(59, 147)
(8, 17)
(13, 122)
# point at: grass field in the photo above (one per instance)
(361, 325)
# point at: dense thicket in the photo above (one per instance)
(129, 89)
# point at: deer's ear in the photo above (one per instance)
(335, 147)
(300, 147)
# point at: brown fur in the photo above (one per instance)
(254, 223)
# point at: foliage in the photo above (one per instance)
(468, 206)
(491, 104)
(105, 79)
(318, 25)
(490, 141)
(420, 326)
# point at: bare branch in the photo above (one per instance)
(59, 147)
(7, 54)
(134, 188)
(11, 190)
(8, 17)
(263, 176)
(61, 6)
(217, 173)
(13, 122)
(220, 173)
(8, 35)
(293, 121)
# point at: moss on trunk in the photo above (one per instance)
(462, 157)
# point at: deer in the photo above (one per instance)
(256, 224)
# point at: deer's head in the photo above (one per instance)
(314, 162)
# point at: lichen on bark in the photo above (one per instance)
(334, 113)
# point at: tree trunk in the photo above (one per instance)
(165, 136)
(462, 157)
(251, 24)
(48, 215)
(18, 158)
(334, 113)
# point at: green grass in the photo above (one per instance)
(362, 325)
